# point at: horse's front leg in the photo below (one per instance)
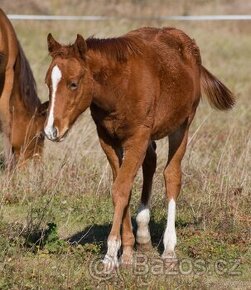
(8, 155)
(114, 155)
(134, 153)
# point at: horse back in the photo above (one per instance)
(8, 40)
(175, 63)
(169, 41)
(8, 56)
(156, 84)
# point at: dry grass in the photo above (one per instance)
(125, 8)
(71, 187)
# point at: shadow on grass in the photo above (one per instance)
(94, 234)
(47, 237)
(98, 234)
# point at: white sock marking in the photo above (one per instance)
(170, 238)
(142, 219)
(56, 76)
(111, 256)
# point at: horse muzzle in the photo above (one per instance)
(51, 133)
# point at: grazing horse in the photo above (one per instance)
(22, 115)
(140, 87)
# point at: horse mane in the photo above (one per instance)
(118, 48)
(27, 83)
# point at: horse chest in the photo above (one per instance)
(116, 127)
(112, 126)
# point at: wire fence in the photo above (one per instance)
(104, 18)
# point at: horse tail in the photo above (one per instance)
(28, 88)
(219, 96)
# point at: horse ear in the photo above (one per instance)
(43, 108)
(52, 43)
(80, 45)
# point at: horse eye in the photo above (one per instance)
(73, 86)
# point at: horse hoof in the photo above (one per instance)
(127, 257)
(110, 264)
(170, 259)
(126, 260)
(147, 247)
(168, 255)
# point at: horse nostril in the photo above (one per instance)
(54, 132)
(51, 132)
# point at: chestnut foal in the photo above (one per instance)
(140, 87)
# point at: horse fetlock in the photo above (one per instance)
(142, 219)
(146, 247)
(111, 257)
(127, 256)
(168, 254)
(143, 235)
(110, 263)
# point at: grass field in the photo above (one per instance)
(54, 219)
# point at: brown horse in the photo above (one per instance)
(22, 115)
(140, 87)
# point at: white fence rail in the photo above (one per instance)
(102, 18)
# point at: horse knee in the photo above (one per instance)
(120, 196)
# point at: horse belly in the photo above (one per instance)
(171, 113)
(167, 125)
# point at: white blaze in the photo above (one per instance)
(56, 76)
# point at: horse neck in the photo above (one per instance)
(9, 50)
(24, 89)
(19, 108)
(103, 70)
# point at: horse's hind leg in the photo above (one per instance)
(143, 237)
(172, 175)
